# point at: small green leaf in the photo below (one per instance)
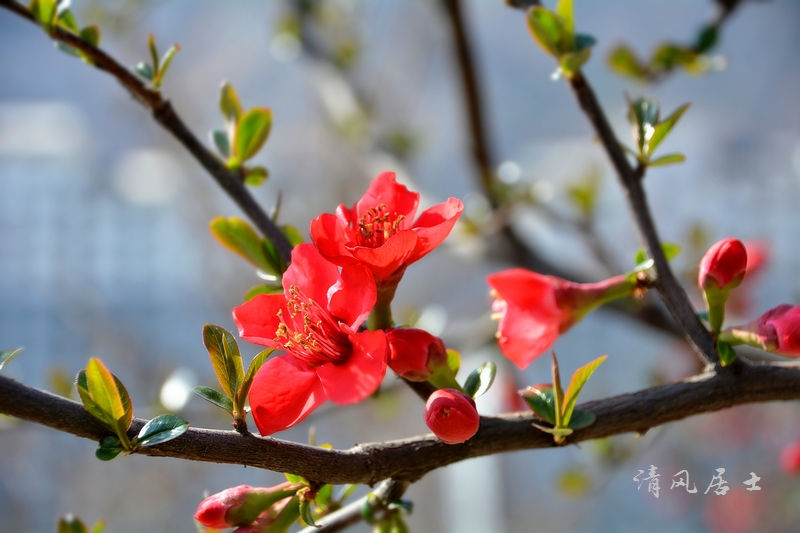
(256, 176)
(703, 315)
(584, 41)
(581, 419)
(110, 395)
(71, 524)
(45, 12)
(144, 70)
(66, 19)
(99, 527)
(706, 39)
(67, 49)
(480, 379)
(237, 235)
(559, 433)
(286, 518)
(91, 34)
(671, 250)
(154, 57)
(8, 355)
(623, 61)
(161, 429)
(558, 392)
(398, 525)
(565, 10)
(89, 404)
(643, 113)
(292, 234)
(294, 478)
(262, 289)
(307, 514)
(108, 448)
(579, 379)
(229, 104)
(541, 401)
(166, 61)
(572, 62)
(214, 396)
(666, 160)
(547, 30)
(251, 132)
(727, 354)
(220, 140)
(663, 128)
(641, 256)
(257, 362)
(225, 358)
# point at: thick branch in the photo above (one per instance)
(410, 459)
(230, 181)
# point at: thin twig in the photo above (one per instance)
(230, 181)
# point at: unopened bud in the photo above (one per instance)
(240, 506)
(452, 416)
(414, 353)
(724, 265)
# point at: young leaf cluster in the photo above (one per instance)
(72, 524)
(155, 71)
(649, 131)
(555, 33)
(556, 407)
(105, 398)
(52, 14)
(477, 383)
(235, 382)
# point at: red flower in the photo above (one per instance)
(379, 230)
(414, 353)
(779, 330)
(790, 459)
(452, 416)
(724, 265)
(534, 309)
(316, 322)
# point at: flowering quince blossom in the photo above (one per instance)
(242, 505)
(777, 331)
(534, 310)
(379, 231)
(723, 266)
(414, 353)
(315, 321)
(452, 416)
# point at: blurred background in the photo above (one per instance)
(105, 249)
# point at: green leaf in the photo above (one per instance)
(641, 256)
(398, 525)
(643, 113)
(225, 358)
(307, 514)
(229, 104)
(558, 393)
(67, 49)
(286, 518)
(220, 140)
(214, 396)
(262, 289)
(91, 34)
(565, 11)
(294, 478)
(706, 39)
(671, 250)
(572, 62)
(453, 361)
(663, 128)
(161, 429)
(540, 399)
(255, 176)
(89, 404)
(44, 12)
(581, 419)
(71, 524)
(110, 395)
(292, 234)
(8, 355)
(251, 132)
(154, 57)
(66, 19)
(727, 354)
(703, 315)
(108, 448)
(547, 30)
(237, 235)
(623, 61)
(666, 160)
(144, 70)
(579, 379)
(166, 61)
(559, 433)
(256, 364)
(480, 379)
(99, 527)
(584, 41)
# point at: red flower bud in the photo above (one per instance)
(790, 459)
(414, 353)
(452, 416)
(724, 265)
(779, 330)
(240, 506)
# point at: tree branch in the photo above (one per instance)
(409, 459)
(230, 181)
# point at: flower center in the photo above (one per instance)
(377, 226)
(310, 332)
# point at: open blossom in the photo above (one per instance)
(315, 321)
(452, 416)
(380, 232)
(414, 353)
(534, 310)
(242, 505)
(724, 265)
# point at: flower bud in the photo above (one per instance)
(790, 459)
(724, 265)
(240, 506)
(779, 330)
(452, 416)
(414, 353)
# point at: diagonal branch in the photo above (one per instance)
(163, 112)
(409, 459)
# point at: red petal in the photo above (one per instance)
(353, 302)
(523, 287)
(257, 319)
(388, 258)
(361, 374)
(385, 190)
(434, 225)
(330, 236)
(311, 273)
(284, 392)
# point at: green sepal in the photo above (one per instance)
(727, 354)
(8, 355)
(215, 397)
(480, 380)
(286, 518)
(161, 429)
